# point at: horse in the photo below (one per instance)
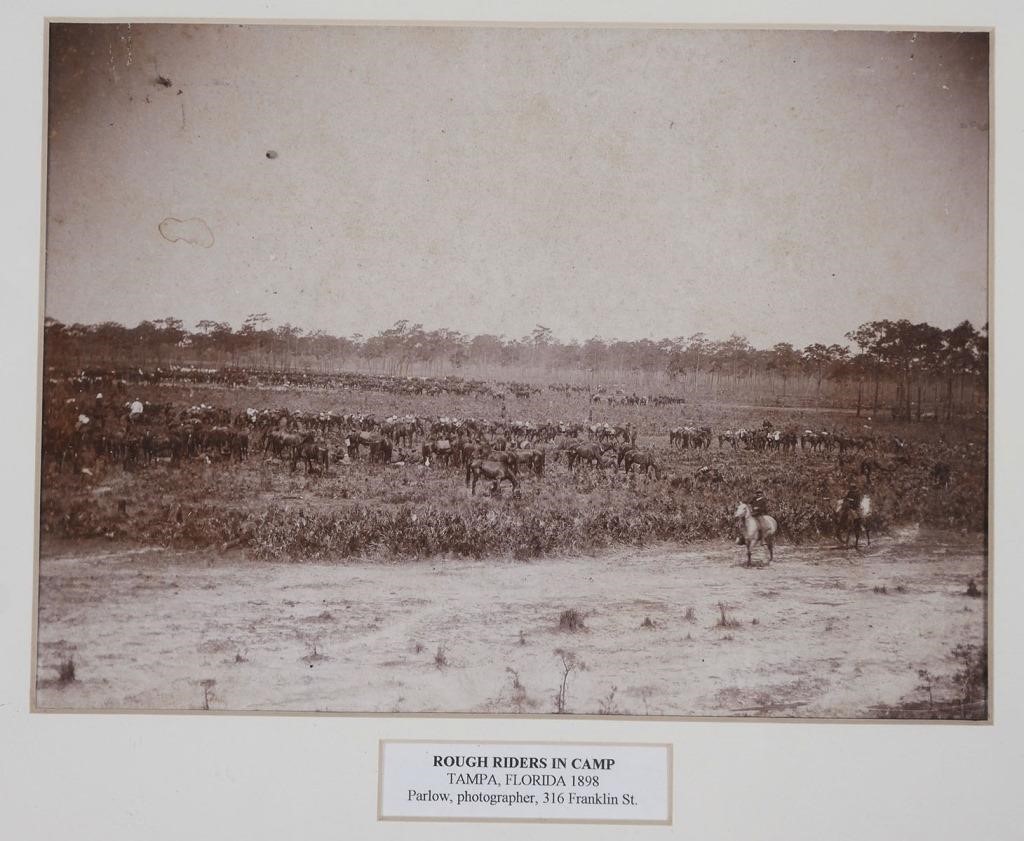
(588, 453)
(496, 471)
(312, 454)
(940, 474)
(643, 460)
(760, 529)
(156, 445)
(277, 442)
(701, 438)
(532, 460)
(437, 449)
(401, 433)
(240, 445)
(381, 450)
(853, 519)
(379, 447)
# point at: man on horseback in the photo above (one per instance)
(852, 498)
(135, 411)
(758, 504)
(756, 526)
(852, 514)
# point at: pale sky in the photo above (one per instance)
(626, 183)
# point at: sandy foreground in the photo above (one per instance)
(807, 636)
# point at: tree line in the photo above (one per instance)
(899, 366)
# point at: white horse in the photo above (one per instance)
(760, 529)
(856, 520)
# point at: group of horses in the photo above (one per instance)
(788, 440)
(493, 450)
(315, 439)
(118, 380)
(691, 437)
(850, 520)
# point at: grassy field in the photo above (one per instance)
(409, 511)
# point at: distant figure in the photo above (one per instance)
(135, 410)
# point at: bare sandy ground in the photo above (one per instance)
(808, 636)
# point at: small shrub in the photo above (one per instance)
(926, 685)
(725, 620)
(571, 620)
(207, 686)
(690, 615)
(972, 677)
(607, 705)
(645, 694)
(314, 655)
(519, 699)
(66, 670)
(570, 664)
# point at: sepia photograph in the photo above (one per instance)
(622, 371)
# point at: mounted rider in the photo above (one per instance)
(852, 499)
(135, 409)
(758, 503)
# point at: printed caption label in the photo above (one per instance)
(525, 781)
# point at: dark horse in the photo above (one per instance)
(643, 461)
(312, 454)
(438, 450)
(532, 460)
(585, 453)
(496, 471)
(379, 448)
